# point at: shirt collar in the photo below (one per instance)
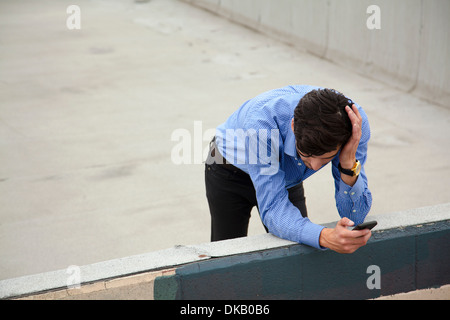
(289, 144)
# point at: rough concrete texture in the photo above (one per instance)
(442, 293)
(135, 287)
(87, 116)
(405, 44)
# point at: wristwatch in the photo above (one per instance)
(353, 172)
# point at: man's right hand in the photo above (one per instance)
(343, 240)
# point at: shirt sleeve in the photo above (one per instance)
(354, 202)
(278, 214)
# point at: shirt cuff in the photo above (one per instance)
(354, 192)
(311, 234)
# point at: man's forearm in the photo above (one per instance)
(349, 180)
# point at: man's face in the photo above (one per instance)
(317, 162)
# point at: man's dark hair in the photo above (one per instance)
(321, 124)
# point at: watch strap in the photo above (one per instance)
(348, 172)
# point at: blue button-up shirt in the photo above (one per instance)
(258, 139)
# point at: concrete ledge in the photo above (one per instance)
(412, 249)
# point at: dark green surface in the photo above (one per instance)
(409, 258)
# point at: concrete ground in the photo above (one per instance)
(442, 293)
(87, 172)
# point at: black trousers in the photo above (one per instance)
(231, 197)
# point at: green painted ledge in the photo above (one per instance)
(409, 258)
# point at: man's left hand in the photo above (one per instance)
(347, 156)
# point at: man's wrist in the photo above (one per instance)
(323, 242)
(348, 164)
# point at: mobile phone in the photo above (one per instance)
(366, 225)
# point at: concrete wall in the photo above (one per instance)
(410, 248)
(410, 51)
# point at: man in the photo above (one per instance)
(265, 150)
